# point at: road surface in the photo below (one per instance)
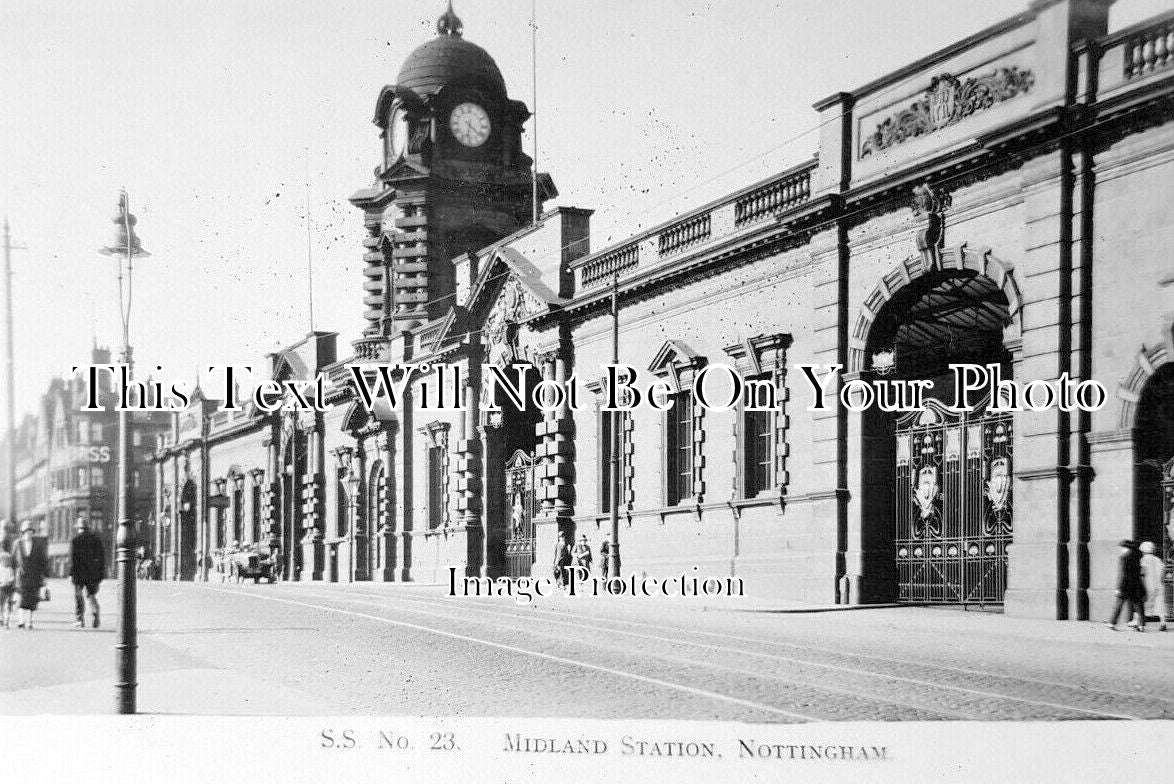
(305, 649)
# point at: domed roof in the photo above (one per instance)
(449, 58)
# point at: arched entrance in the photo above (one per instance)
(1154, 465)
(936, 494)
(187, 531)
(511, 501)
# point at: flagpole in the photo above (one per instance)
(534, 101)
(309, 247)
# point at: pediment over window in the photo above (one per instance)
(760, 355)
(677, 361)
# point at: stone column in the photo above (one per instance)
(544, 431)
(468, 466)
(313, 550)
(360, 518)
(1111, 505)
(270, 493)
(385, 443)
(493, 497)
(404, 491)
(1038, 560)
(560, 471)
(839, 533)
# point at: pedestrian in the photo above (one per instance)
(7, 588)
(87, 569)
(1152, 570)
(604, 555)
(1130, 589)
(7, 538)
(276, 563)
(562, 559)
(581, 553)
(31, 563)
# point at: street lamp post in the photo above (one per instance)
(613, 567)
(10, 381)
(126, 248)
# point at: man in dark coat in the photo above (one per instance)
(562, 559)
(1130, 588)
(87, 568)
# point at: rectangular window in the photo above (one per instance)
(256, 513)
(83, 431)
(97, 478)
(435, 486)
(136, 438)
(96, 431)
(757, 452)
(82, 477)
(607, 421)
(679, 449)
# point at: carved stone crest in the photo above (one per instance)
(513, 304)
(946, 101)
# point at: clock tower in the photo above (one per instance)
(453, 179)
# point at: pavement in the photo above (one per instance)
(382, 649)
(58, 669)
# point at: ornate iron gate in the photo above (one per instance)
(954, 505)
(520, 507)
(1168, 534)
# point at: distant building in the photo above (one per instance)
(67, 466)
(1004, 201)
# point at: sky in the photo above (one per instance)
(216, 116)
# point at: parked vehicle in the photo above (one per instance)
(252, 562)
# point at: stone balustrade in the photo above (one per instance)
(773, 197)
(736, 213)
(1126, 59)
(685, 234)
(1150, 49)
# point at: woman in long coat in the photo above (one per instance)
(32, 565)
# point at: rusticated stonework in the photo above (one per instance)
(945, 102)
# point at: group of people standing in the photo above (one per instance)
(24, 567)
(578, 556)
(1140, 586)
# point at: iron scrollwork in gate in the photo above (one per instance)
(953, 505)
(1168, 535)
(521, 502)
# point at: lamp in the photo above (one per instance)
(345, 456)
(125, 249)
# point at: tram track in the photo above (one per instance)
(683, 640)
(834, 652)
(762, 707)
(872, 689)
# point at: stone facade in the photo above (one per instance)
(1000, 201)
(67, 466)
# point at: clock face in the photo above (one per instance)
(397, 130)
(469, 124)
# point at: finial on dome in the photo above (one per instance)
(449, 23)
